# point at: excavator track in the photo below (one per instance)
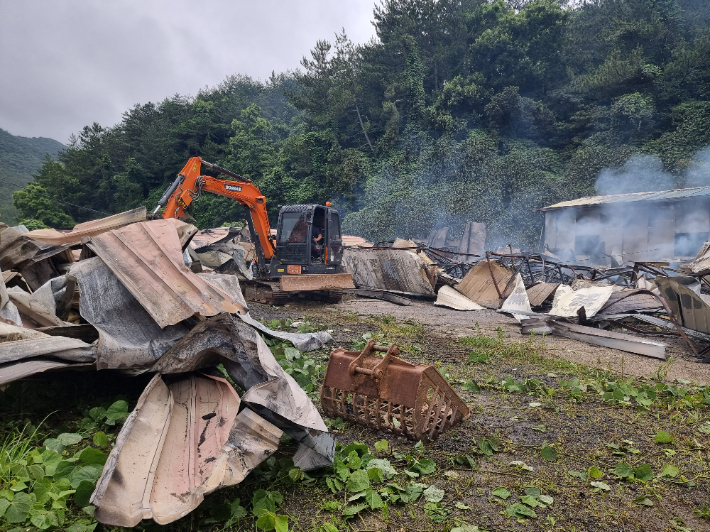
(270, 293)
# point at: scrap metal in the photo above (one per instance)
(448, 297)
(87, 229)
(590, 335)
(147, 258)
(398, 270)
(185, 439)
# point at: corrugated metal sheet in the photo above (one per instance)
(184, 440)
(689, 309)
(635, 196)
(387, 269)
(205, 237)
(92, 228)
(129, 338)
(147, 258)
(448, 297)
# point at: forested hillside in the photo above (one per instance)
(458, 110)
(20, 157)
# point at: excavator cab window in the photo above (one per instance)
(294, 228)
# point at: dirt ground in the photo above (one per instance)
(587, 432)
(454, 323)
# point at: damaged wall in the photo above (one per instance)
(645, 226)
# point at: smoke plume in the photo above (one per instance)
(640, 173)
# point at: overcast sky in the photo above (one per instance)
(65, 64)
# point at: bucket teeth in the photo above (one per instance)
(389, 394)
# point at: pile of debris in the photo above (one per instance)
(119, 294)
(545, 294)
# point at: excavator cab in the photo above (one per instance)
(308, 241)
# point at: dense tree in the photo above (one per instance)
(458, 110)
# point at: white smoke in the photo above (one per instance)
(640, 173)
(698, 173)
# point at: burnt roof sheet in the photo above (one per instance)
(147, 259)
(658, 195)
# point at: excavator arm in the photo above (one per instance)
(189, 184)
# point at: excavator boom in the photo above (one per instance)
(189, 184)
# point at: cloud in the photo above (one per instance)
(70, 63)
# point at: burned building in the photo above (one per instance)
(669, 225)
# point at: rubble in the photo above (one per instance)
(397, 270)
(186, 437)
(590, 335)
(517, 303)
(159, 296)
(128, 301)
(147, 259)
(87, 229)
(488, 283)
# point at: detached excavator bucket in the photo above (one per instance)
(389, 394)
(321, 281)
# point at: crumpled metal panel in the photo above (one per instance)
(517, 300)
(184, 440)
(129, 338)
(479, 284)
(18, 251)
(25, 368)
(301, 341)
(448, 297)
(24, 352)
(60, 347)
(147, 258)
(592, 298)
(634, 196)
(387, 269)
(702, 260)
(271, 392)
(92, 228)
(249, 362)
(688, 308)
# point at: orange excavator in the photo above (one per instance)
(304, 258)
